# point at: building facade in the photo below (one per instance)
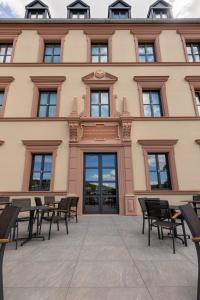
(107, 109)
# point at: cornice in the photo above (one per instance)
(6, 79)
(9, 32)
(146, 31)
(56, 32)
(99, 77)
(150, 78)
(192, 78)
(157, 142)
(99, 32)
(47, 79)
(41, 142)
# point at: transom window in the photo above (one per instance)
(52, 53)
(120, 14)
(197, 94)
(147, 52)
(159, 171)
(193, 52)
(160, 14)
(78, 14)
(1, 100)
(152, 104)
(99, 104)
(5, 53)
(99, 53)
(47, 104)
(41, 172)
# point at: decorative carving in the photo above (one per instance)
(73, 131)
(126, 131)
(99, 74)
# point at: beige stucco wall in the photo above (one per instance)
(171, 46)
(123, 49)
(75, 49)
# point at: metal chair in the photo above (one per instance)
(20, 203)
(7, 220)
(4, 199)
(196, 206)
(193, 223)
(73, 207)
(49, 200)
(161, 215)
(144, 209)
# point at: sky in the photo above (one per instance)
(99, 8)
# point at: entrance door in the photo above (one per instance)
(100, 183)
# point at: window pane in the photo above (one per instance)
(48, 50)
(104, 98)
(149, 50)
(104, 59)
(46, 176)
(103, 50)
(147, 111)
(91, 161)
(95, 59)
(2, 50)
(36, 176)
(155, 97)
(95, 111)
(42, 111)
(104, 111)
(195, 49)
(48, 59)
(95, 98)
(197, 58)
(53, 97)
(199, 110)
(37, 165)
(44, 98)
(146, 98)
(152, 162)
(8, 59)
(162, 162)
(164, 179)
(91, 188)
(56, 59)
(57, 50)
(150, 58)
(52, 111)
(108, 160)
(189, 50)
(9, 50)
(108, 174)
(1, 99)
(190, 58)
(154, 180)
(142, 58)
(47, 162)
(156, 111)
(109, 188)
(95, 50)
(141, 50)
(92, 175)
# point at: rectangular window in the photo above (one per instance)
(99, 104)
(47, 104)
(152, 104)
(160, 14)
(78, 14)
(99, 53)
(193, 52)
(52, 53)
(146, 52)
(5, 53)
(120, 14)
(41, 172)
(159, 171)
(197, 94)
(1, 100)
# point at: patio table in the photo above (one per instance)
(32, 235)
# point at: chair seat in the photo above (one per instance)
(167, 224)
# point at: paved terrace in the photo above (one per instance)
(104, 257)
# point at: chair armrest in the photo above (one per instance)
(4, 241)
(176, 215)
(196, 239)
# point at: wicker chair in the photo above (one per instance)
(193, 223)
(7, 220)
(73, 207)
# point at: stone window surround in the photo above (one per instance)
(160, 146)
(147, 37)
(10, 36)
(194, 83)
(99, 36)
(5, 82)
(39, 146)
(153, 83)
(189, 35)
(46, 83)
(51, 36)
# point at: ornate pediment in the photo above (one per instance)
(99, 77)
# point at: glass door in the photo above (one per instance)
(100, 183)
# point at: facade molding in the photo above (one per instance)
(158, 143)
(188, 35)
(194, 83)
(47, 79)
(5, 82)
(99, 77)
(39, 143)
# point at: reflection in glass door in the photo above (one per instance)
(100, 183)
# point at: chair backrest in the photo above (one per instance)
(22, 203)
(73, 201)
(7, 219)
(4, 199)
(64, 204)
(49, 200)
(38, 201)
(191, 219)
(142, 204)
(196, 198)
(158, 209)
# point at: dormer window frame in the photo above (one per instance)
(74, 9)
(161, 12)
(160, 8)
(32, 9)
(113, 8)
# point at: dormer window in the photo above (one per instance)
(160, 10)
(78, 10)
(37, 10)
(119, 10)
